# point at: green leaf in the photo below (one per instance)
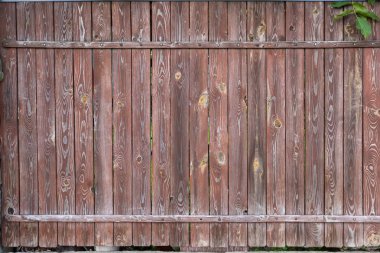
(363, 26)
(340, 4)
(371, 2)
(343, 14)
(368, 14)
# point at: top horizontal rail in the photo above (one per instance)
(16, 1)
(192, 44)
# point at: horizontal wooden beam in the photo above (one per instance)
(16, 1)
(192, 44)
(194, 218)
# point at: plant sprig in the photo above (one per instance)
(362, 13)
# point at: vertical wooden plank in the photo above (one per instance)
(83, 105)
(314, 96)
(333, 128)
(27, 119)
(352, 135)
(141, 122)
(179, 127)
(237, 123)
(122, 122)
(218, 116)
(256, 29)
(160, 121)
(47, 174)
(198, 75)
(64, 122)
(9, 150)
(371, 135)
(101, 31)
(295, 130)
(275, 63)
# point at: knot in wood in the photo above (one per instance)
(277, 123)
(221, 158)
(139, 159)
(84, 99)
(177, 75)
(203, 100)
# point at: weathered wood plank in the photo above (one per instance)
(218, 116)
(256, 123)
(27, 123)
(122, 121)
(9, 151)
(179, 128)
(371, 135)
(237, 124)
(314, 102)
(141, 154)
(47, 173)
(333, 128)
(83, 108)
(160, 121)
(64, 121)
(275, 63)
(101, 31)
(198, 116)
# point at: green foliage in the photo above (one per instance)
(362, 14)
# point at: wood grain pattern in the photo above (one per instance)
(122, 122)
(295, 129)
(9, 150)
(47, 173)
(179, 128)
(141, 154)
(371, 175)
(314, 96)
(237, 124)
(83, 107)
(218, 117)
(198, 116)
(275, 63)
(160, 121)
(27, 123)
(333, 128)
(257, 94)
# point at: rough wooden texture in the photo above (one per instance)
(9, 150)
(218, 117)
(47, 173)
(122, 122)
(295, 127)
(198, 129)
(333, 128)
(141, 143)
(27, 123)
(256, 123)
(83, 108)
(371, 135)
(179, 128)
(160, 122)
(275, 63)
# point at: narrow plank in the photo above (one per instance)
(237, 124)
(122, 122)
(256, 123)
(218, 116)
(160, 121)
(47, 173)
(101, 31)
(275, 64)
(83, 105)
(333, 128)
(295, 129)
(371, 135)
(314, 102)
(141, 154)
(352, 136)
(64, 122)
(198, 116)
(9, 151)
(27, 120)
(179, 128)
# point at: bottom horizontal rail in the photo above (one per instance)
(194, 218)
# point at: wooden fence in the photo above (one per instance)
(225, 111)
